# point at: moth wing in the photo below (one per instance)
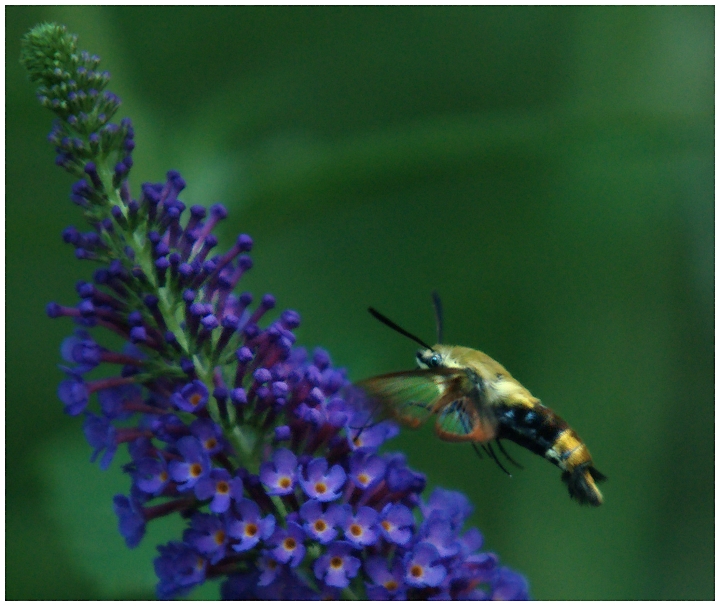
(466, 420)
(413, 396)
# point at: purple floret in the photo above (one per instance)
(245, 523)
(387, 584)
(82, 350)
(336, 567)
(361, 529)
(151, 475)
(131, 521)
(73, 393)
(288, 542)
(396, 523)
(179, 569)
(192, 397)
(449, 504)
(279, 475)
(323, 484)
(320, 525)
(209, 434)
(366, 469)
(101, 435)
(219, 486)
(195, 463)
(207, 535)
(438, 532)
(420, 566)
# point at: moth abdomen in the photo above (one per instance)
(543, 432)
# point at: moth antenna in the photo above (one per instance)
(437, 304)
(488, 449)
(388, 322)
(507, 456)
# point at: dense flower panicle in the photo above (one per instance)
(266, 450)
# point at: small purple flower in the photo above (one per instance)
(420, 570)
(192, 397)
(396, 523)
(509, 585)
(219, 486)
(73, 393)
(278, 475)
(131, 521)
(179, 569)
(151, 475)
(365, 434)
(471, 541)
(386, 584)
(438, 532)
(207, 535)
(400, 478)
(195, 463)
(82, 350)
(244, 523)
(209, 434)
(449, 504)
(269, 569)
(318, 524)
(366, 469)
(336, 567)
(361, 529)
(322, 484)
(101, 435)
(113, 400)
(288, 543)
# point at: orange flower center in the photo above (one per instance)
(355, 530)
(391, 585)
(220, 537)
(364, 479)
(285, 482)
(336, 562)
(251, 530)
(416, 571)
(386, 525)
(210, 443)
(163, 476)
(320, 488)
(195, 399)
(320, 525)
(223, 487)
(195, 470)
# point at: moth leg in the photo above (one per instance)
(477, 451)
(507, 456)
(488, 449)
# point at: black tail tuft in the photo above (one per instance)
(581, 484)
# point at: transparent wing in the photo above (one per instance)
(413, 396)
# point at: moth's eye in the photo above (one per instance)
(434, 361)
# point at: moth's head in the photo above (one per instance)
(428, 358)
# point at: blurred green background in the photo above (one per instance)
(548, 170)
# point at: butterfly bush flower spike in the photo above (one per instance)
(251, 440)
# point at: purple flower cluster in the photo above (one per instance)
(268, 452)
(274, 463)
